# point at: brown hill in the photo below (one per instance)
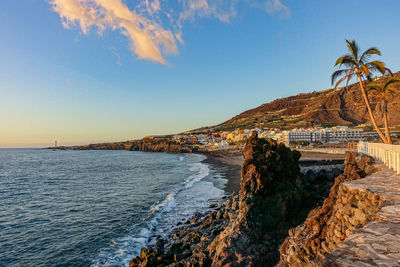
(342, 106)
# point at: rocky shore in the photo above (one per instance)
(145, 145)
(281, 210)
(329, 225)
(247, 228)
(159, 145)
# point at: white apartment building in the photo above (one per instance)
(343, 134)
(330, 135)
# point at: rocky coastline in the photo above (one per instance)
(145, 145)
(159, 145)
(280, 211)
(247, 228)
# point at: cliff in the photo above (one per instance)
(342, 106)
(159, 145)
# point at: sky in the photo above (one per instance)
(89, 71)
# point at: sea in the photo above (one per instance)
(96, 208)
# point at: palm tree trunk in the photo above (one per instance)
(371, 115)
(385, 116)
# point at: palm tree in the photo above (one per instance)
(384, 91)
(358, 65)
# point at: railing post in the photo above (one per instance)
(398, 162)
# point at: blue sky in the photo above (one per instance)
(71, 83)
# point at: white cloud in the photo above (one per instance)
(145, 35)
(145, 24)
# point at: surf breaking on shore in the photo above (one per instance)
(202, 186)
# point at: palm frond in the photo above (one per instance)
(368, 53)
(349, 76)
(338, 73)
(346, 60)
(340, 81)
(354, 49)
(366, 71)
(375, 87)
(391, 81)
(377, 66)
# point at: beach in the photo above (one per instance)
(228, 163)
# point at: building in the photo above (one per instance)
(305, 135)
(343, 134)
(340, 134)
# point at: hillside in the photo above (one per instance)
(342, 106)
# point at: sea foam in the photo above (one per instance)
(179, 205)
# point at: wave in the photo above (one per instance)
(202, 171)
(125, 248)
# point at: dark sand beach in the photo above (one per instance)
(229, 164)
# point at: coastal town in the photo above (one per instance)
(336, 138)
(298, 137)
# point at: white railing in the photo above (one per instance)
(388, 154)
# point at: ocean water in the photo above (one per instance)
(95, 208)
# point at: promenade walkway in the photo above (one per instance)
(378, 242)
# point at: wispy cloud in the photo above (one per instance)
(115, 53)
(220, 9)
(275, 7)
(152, 26)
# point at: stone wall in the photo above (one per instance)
(378, 242)
(345, 210)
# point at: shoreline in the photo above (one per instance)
(210, 238)
(229, 165)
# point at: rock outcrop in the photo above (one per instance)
(246, 229)
(159, 145)
(329, 225)
(269, 205)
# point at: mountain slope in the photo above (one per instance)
(342, 106)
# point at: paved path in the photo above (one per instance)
(378, 242)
